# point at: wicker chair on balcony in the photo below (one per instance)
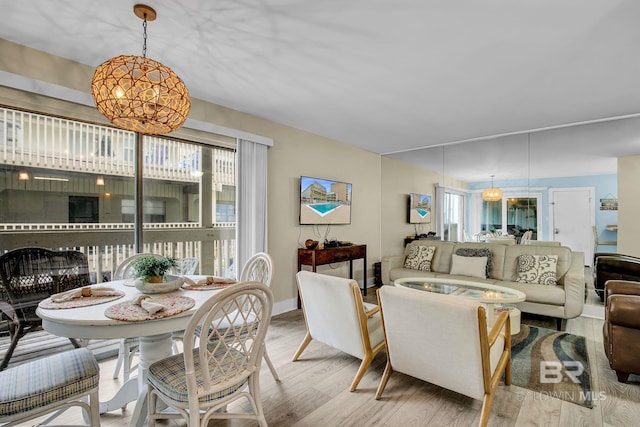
(30, 275)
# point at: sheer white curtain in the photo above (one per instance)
(251, 223)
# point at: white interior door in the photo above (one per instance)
(572, 217)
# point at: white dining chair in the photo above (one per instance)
(259, 268)
(199, 383)
(50, 385)
(128, 347)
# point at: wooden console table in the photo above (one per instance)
(316, 257)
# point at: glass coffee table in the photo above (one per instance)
(496, 298)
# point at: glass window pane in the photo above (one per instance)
(522, 215)
(491, 216)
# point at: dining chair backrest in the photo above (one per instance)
(259, 268)
(233, 353)
(185, 266)
(125, 270)
(526, 237)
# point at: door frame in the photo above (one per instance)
(588, 255)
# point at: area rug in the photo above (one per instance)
(551, 363)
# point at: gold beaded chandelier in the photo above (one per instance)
(492, 194)
(139, 94)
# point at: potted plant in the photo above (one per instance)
(151, 269)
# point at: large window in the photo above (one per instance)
(79, 178)
(450, 206)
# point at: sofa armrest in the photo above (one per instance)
(574, 286)
(387, 264)
(622, 310)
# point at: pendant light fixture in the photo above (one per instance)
(139, 94)
(492, 194)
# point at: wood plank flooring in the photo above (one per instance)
(314, 391)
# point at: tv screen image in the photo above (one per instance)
(324, 201)
(419, 208)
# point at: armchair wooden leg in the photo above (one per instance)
(486, 409)
(366, 361)
(303, 345)
(383, 381)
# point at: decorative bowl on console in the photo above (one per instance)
(311, 244)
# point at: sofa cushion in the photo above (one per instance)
(538, 294)
(478, 252)
(419, 257)
(540, 269)
(473, 266)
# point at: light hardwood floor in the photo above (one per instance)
(314, 391)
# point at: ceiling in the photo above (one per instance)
(391, 76)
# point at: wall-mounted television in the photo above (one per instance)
(419, 211)
(324, 201)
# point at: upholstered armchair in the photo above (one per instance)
(444, 340)
(611, 266)
(621, 331)
(336, 315)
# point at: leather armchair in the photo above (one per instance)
(621, 331)
(611, 266)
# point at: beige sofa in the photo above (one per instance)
(563, 301)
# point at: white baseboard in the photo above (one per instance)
(284, 306)
(593, 311)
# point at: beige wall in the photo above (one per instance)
(398, 179)
(628, 205)
(294, 153)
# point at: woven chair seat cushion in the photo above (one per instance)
(48, 380)
(168, 375)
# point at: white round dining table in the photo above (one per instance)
(154, 337)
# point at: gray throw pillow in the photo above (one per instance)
(478, 252)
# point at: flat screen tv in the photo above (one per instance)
(419, 211)
(324, 201)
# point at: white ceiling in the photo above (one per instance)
(385, 75)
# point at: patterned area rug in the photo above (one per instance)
(552, 363)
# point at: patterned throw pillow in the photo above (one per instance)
(539, 269)
(419, 257)
(475, 252)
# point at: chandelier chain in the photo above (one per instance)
(144, 37)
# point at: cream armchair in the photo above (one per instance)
(444, 340)
(336, 315)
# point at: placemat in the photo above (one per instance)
(78, 302)
(131, 312)
(207, 284)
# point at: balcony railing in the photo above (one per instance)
(107, 245)
(37, 141)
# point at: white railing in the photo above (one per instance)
(35, 140)
(215, 248)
